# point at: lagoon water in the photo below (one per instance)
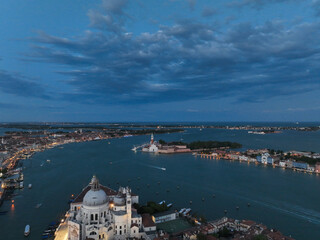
(282, 199)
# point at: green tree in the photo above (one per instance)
(260, 237)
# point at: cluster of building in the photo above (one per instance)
(99, 212)
(244, 229)
(266, 157)
(156, 147)
(16, 146)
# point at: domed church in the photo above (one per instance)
(99, 212)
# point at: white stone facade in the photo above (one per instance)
(97, 215)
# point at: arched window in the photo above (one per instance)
(93, 233)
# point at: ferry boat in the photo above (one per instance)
(27, 230)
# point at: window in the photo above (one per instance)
(134, 231)
(93, 233)
(120, 227)
(120, 232)
(91, 217)
(96, 216)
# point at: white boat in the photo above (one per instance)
(38, 205)
(27, 230)
(164, 169)
(169, 205)
(48, 160)
(162, 202)
(21, 185)
(134, 149)
(30, 185)
(187, 211)
(182, 210)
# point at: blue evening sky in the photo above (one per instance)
(159, 60)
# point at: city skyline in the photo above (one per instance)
(246, 60)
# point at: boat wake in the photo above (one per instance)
(155, 167)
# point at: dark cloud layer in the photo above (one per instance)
(189, 60)
(316, 6)
(257, 4)
(20, 86)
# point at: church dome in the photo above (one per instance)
(95, 196)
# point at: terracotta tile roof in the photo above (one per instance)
(147, 220)
(134, 225)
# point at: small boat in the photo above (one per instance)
(169, 205)
(182, 210)
(30, 185)
(38, 205)
(163, 169)
(162, 202)
(187, 211)
(134, 149)
(48, 160)
(41, 165)
(27, 230)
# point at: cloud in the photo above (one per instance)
(188, 60)
(21, 86)
(192, 4)
(114, 6)
(9, 105)
(208, 12)
(110, 16)
(316, 6)
(257, 4)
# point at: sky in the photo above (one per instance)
(159, 60)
